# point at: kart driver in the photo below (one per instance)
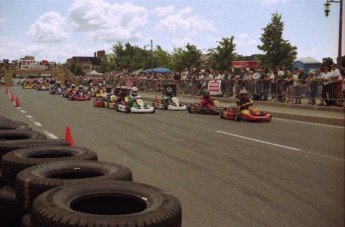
(133, 96)
(243, 101)
(80, 90)
(72, 91)
(168, 95)
(206, 100)
(108, 92)
(121, 95)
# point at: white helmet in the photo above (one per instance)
(243, 91)
(134, 91)
(91, 84)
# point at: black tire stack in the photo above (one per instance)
(48, 183)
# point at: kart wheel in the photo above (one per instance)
(128, 109)
(165, 106)
(238, 117)
(222, 115)
(106, 204)
(15, 161)
(189, 109)
(35, 180)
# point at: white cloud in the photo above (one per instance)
(243, 40)
(50, 27)
(182, 42)
(272, 2)
(184, 22)
(109, 22)
(2, 20)
(164, 11)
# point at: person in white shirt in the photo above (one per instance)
(325, 77)
(336, 85)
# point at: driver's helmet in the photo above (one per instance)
(81, 87)
(169, 91)
(134, 91)
(91, 84)
(123, 88)
(243, 92)
(108, 89)
(73, 85)
(100, 85)
(206, 94)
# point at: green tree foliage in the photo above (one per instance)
(163, 58)
(278, 52)
(327, 62)
(220, 58)
(182, 59)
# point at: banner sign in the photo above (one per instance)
(214, 86)
(245, 64)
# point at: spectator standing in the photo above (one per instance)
(290, 88)
(311, 87)
(337, 83)
(325, 78)
(297, 86)
(258, 84)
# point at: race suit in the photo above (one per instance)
(120, 97)
(244, 102)
(206, 102)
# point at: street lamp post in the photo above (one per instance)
(327, 11)
(151, 56)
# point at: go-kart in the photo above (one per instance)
(171, 104)
(99, 93)
(91, 92)
(250, 114)
(27, 86)
(56, 90)
(78, 96)
(137, 106)
(102, 102)
(215, 109)
(42, 88)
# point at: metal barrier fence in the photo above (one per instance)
(328, 93)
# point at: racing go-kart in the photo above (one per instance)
(78, 96)
(102, 102)
(56, 90)
(170, 104)
(137, 106)
(250, 114)
(215, 109)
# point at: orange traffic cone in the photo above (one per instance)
(17, 103)
(68, 136)
(6, 90)
(12, 97)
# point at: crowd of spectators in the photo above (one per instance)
(276, 85)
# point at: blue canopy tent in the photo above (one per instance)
(157, 70)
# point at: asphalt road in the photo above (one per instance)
(225, 173)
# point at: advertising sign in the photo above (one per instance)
(245, 64)
(214, 86)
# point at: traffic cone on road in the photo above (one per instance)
(6, 90)
(68, 136)
(17, 103)
(12, 97)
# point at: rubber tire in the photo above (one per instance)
(2, 183)
(237, 117)
(8, 125)
(221, 115)
(26, 220)
(10, 212)
(189, 109)
(35, 180)
(151, 207)
(15, 161)
(11, 139)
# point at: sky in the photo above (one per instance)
(56, 30)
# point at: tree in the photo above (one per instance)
(177, 59)
(163, 58)
(278, 52)
(327, 62)
(221, 57)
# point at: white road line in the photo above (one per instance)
(278, 145)
(23, 111)
(38, 124)
(310, 123)
(28, 116)
(50, 135)
(259, 141)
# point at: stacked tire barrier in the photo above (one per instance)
(46, 182)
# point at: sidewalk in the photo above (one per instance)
(302, 112)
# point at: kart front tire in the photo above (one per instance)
(238, 117)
